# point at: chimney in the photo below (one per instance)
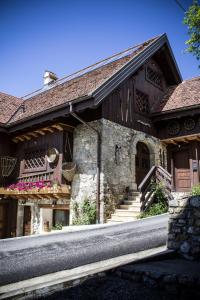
(49, 77)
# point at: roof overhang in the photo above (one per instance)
(94, 99)
(176, 113)
(182, 139)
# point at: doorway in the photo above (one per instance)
(27, 220)
(3, 220)
(182, 176)
(142, 162)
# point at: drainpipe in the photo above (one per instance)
(98, 161)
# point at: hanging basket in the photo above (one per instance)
(68, 170)
(7, 165)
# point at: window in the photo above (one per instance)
(60, 217)
(154, 77)
(34, 161)
(142, 102)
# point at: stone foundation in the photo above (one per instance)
(184, 226)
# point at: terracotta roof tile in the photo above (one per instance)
(186, 94)
(8, 106)
(83, 83)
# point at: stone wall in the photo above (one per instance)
(184, 226)
(118, 151)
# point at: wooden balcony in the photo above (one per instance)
(59, 192)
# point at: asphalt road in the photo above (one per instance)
(28, 257)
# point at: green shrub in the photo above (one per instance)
(85, 214)
(160, 204)
(58, 226)
(155, 209)
(195, 190)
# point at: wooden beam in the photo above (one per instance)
(28, 138)
(39, 132)
(173, 142)
(33, 134)
(67, 127)
(15, 140)
(185, 141)
(20, 138)
(58, 127)
(48, 129)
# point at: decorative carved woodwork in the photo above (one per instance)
(34, 161)
(154, 77)
(142, 101)
(189, 124)
(173, 128)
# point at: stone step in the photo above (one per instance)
(134, 198)
(125, 212)
(134, 207)
(135, 193)
(131, 202)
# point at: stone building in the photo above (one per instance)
(110, 127)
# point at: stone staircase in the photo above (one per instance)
(128, 210)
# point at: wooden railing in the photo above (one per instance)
(36, 177)
(155, 175)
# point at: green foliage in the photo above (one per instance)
(195, 190)
(155, 209)
(84, 214)
(192, 20)
(58, 226)
(159, 205)
(158, 189)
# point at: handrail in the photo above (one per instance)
(164, 171)
(149, 175)
(156, 174)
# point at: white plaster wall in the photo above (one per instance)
(46, 214)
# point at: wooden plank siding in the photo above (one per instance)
(120, 106)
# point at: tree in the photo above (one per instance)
(192, 20)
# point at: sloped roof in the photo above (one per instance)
(181, 96)
(8, 106)
(78, 85)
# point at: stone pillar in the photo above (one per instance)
(184, 226)
(20, 220)
(35, 219)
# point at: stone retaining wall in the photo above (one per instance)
(184, 226)
(175, 285)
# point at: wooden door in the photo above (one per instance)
(142, 162)
(3, 220)
(182, 175)
(27, 220)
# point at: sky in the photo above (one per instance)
(64, 36)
